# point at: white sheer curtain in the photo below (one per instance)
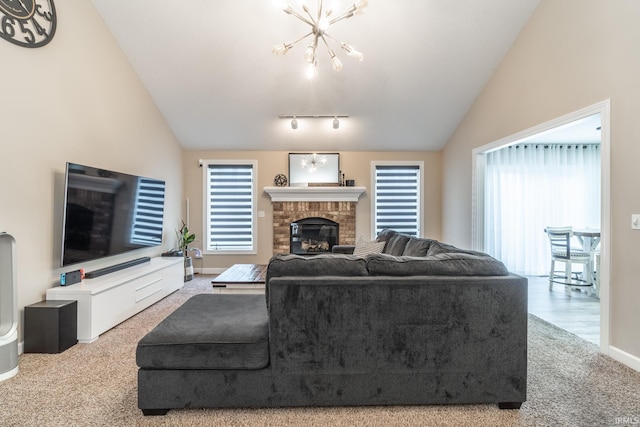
(531, 186)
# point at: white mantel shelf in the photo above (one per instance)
(314, 194)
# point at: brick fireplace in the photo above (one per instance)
(284, 213)
(291, 204)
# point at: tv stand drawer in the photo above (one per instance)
(148, 288)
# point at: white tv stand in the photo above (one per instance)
(108, 300)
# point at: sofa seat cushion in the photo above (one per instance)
(445, 264)
(210, 331)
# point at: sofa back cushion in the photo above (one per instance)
(443, 248)
(395, 242)
(403, 244)
(444, 264)
(395, 245)
(315, 265)
(417, 247)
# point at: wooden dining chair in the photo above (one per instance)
(561, 251)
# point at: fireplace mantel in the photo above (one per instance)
(314, 194)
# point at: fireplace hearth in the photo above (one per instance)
(310, 236)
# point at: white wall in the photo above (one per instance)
(76, 99)
(570, 55)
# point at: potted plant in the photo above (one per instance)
(185, 237)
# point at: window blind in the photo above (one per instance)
(397, 199)
(230, 207)
(148, 214)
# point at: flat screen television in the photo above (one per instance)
(108, 213)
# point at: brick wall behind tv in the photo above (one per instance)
(284, 213)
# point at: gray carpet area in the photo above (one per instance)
(569, 384)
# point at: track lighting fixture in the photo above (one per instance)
(294, 119)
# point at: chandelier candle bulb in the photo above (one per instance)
(310, 54)
(281, 49)
(335, 62)
(361, 6)
(357, 55)
(351, 52)
(312, 69)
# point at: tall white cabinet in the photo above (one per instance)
(108, 300)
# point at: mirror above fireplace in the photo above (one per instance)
(314, 168)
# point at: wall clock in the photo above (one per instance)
(27, 23)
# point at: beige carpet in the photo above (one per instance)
(569, 384)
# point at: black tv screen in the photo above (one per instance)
(108, 213)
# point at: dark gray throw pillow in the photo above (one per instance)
(385, 235)
(417, 247)
(396, 244)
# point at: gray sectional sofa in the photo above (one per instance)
(423, 323)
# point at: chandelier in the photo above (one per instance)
(319, 25)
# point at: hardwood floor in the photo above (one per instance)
(578, 314)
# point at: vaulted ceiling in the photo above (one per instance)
(209, 68)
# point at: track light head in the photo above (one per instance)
(336, 123)
(294, 123)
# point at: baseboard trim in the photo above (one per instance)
(626, 358)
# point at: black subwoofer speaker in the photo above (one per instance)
(50, 326)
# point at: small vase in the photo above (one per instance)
(188, 268)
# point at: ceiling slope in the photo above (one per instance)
(209, 68)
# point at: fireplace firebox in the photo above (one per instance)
(311, 236)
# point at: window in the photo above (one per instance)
(148, 212)
(397, 197)
(230, 206)
(528, 187)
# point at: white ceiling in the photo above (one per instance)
(209, 68)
